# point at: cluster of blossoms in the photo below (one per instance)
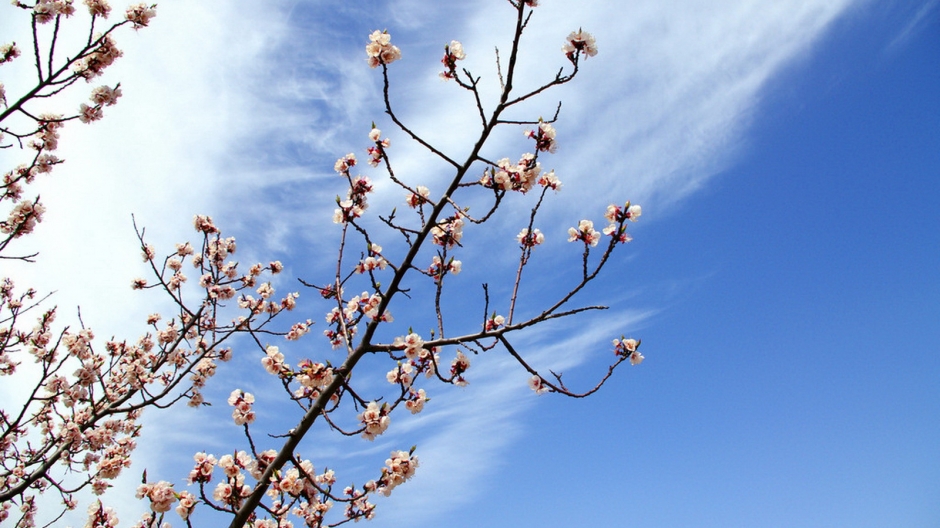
(100, 516)
(380, 49)
(617, 215)
(359, 186)
(584, 232)
(628, 348)
(438, 269)
(419, 197)
(453, 52)
(47, 136)
(527, 239)
(23, 218)
(399, 468)
(375, 420)
(94, 64)
(506, 176)
(8, 52)
(377, 151)
(458, 366)
(140, 14)
(98, 8)
(448, 232)
(161, 495)
(579, 42)
(375, 260)
(45, 11)
(100, 96)
(544, 137)
(242, 402)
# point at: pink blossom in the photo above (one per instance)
(380, 50)
(98, 8)
(140, 14)
(544, 137)
(579, 42)
(453, 52)
(419, 197)
(537, 384)
(375, 420)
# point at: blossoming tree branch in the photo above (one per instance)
(77, 425)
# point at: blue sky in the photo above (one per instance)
(784, 278)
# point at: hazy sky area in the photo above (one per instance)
(784, 277)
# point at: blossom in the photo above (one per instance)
(8, 52)
(532, 239)
(579, 42)
(513, 177)
(584, 232)
(399, 468)
(628, 348)
(105, 95)
(140, 14)
(375, 420)
(273, 361)
(448, 232)
(242, 401)
(494, 322)
(544, 137)
(161, 495)
(98, 8)
(343, 164)
(380, 50)
(458, 366)
(415, 402)
(419, 197)
(453, 52)
(538, 385)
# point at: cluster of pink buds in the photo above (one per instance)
(579, 42)
(453, 52)
(380, 49)
(628, 348)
